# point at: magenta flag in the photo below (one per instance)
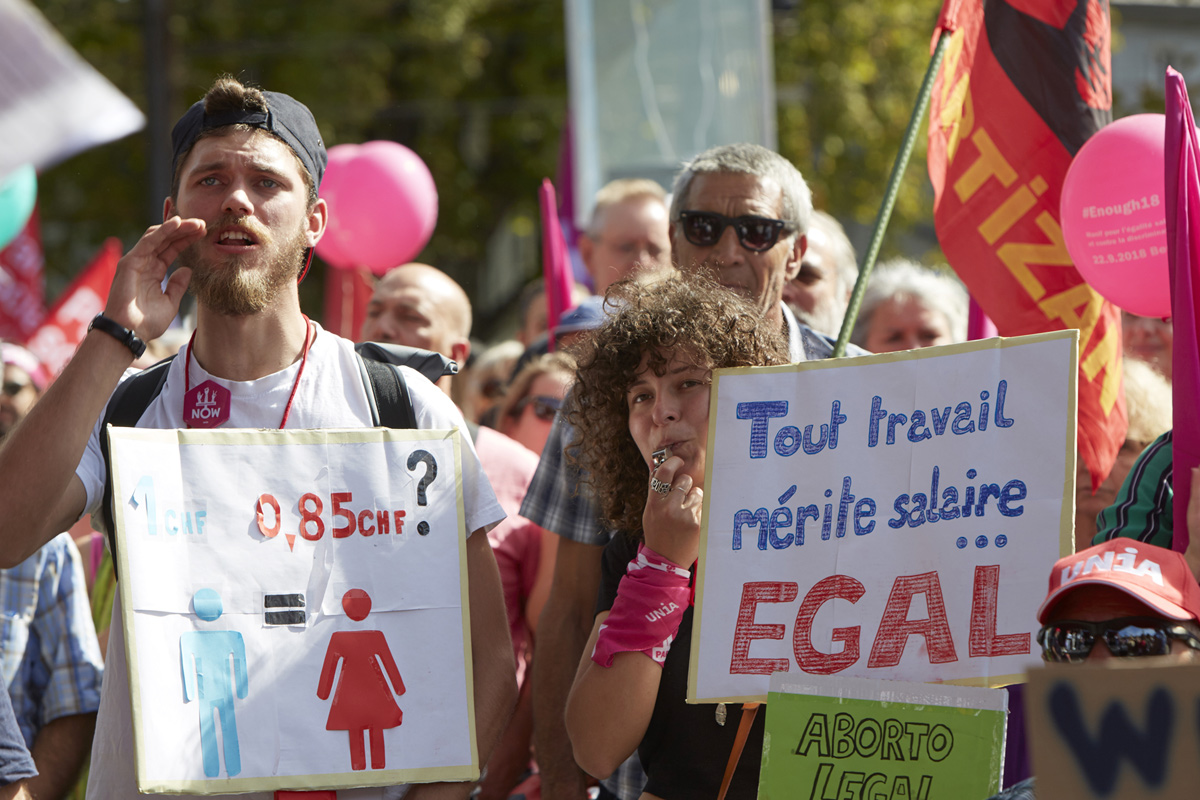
(556, 268)
(1183, 252)
(979, 324)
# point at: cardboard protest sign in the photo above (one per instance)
(299, 597)
(1129, 729)
(832, 736)
(884, 516)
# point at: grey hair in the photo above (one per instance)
(1148, 401)
(901, 278)
(748, 159)
(618, 191)
(844, 259)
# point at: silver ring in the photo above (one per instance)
(680, 488)
(659, 486)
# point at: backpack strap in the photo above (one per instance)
(126, 406)
(387, 391)
(430, 364)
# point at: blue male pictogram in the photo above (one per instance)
(205, 659)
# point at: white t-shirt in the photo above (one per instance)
(330, 394)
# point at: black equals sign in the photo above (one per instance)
(283, 609)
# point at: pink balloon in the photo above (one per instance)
(382, 206)
(1113, 213)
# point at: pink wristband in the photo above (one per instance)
(646, 613)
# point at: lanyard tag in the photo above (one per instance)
(206, 405)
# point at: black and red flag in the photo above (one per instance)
(1023, 85)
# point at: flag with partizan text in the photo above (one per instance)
(1023, 85)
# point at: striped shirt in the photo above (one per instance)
(1143, 507)
(49, 654)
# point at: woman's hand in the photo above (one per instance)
(671, 522)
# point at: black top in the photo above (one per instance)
(684, 751)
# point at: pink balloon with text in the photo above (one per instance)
(1113, 214)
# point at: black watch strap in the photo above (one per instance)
(120, 333)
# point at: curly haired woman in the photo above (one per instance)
(642, 388)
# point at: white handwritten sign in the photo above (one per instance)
(295, 606)
(886, 516)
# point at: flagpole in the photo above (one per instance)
(893, 189)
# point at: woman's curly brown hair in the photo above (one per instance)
(713, 325)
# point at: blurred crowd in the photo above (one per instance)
(732, 267)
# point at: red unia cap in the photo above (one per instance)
(1157, 577)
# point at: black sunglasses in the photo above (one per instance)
(544, 408)
(13, 388)
(705, 228)
(1070, 641)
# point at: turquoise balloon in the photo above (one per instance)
(18, 195)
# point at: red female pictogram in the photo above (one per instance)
(363, 701)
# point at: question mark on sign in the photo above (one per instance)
(431, 469)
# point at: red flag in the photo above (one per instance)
(66, 323)
(22, 285)
(1023, 85)
(556, 269)
(1182, 161)
(347, 295)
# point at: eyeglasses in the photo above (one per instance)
(544, 408)
(758, 234)
(1070, 641)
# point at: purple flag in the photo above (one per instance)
(979, 325)
(556, 270)
(1183, 250)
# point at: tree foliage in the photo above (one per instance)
(849, 72)
(478, 88)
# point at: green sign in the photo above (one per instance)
(830, 738)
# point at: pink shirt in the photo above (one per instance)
(516, 542)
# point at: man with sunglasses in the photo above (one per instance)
(1119, 599)
(742, 212)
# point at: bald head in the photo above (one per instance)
(420, 306)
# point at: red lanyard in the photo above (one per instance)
(187, 370)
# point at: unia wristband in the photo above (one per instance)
(646, 613)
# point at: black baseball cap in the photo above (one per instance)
(286, 117)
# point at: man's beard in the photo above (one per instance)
(235, 288)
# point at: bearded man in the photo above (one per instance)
(242, 218)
